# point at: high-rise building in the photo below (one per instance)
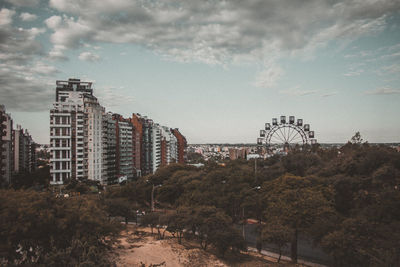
(109, 148)
(76, 144)
(24, 150)
(6, 146)
(137, 122)
(181, 140)
(17, 149)
(94, 133)
(88, 143)
(124, 147)
(168, 146)
(155, 147)
(147, 146)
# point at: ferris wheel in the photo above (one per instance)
(286, 133)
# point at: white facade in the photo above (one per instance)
(67, 121)
(174, 148)
(94, 141)
(171, 145)
(156, 146)
(75, 133)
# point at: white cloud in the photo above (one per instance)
(89, 56)
(268, 78)
(53, 22)
(23, 91)
(219, 32)
(391, 69)
(111, 96)
(44, 69)
(351, 73)
(23, 80)
(6, 16)
(383, 91)
(329, 94)
(28, 16)
(296, 92)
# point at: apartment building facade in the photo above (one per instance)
(76, 144)
(109, 148)
(124, 149)
(6, 146)
(88, 143)
(17, 149)
(181, 145)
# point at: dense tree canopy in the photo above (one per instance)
(346, 200)
(38, 228)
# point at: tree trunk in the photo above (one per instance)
(126, 220)
(280, 254)
(259, 245)
(294, 247)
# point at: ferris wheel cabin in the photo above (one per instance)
(311, 134)
(299, 122)
(313, 141)
(274, 121)
(267, 126)
(283, 119)
(306, 127)
(291, 119)
(262, 133)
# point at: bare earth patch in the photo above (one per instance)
(139, 248)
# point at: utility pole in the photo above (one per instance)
(152, 198)
(255, 169)
(152, 195)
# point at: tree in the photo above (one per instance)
(356, 139)
(151, 219)
(120, 207)
(296, 203)
(179, 221)
(278, 234)
(215, 227)
(37, 228)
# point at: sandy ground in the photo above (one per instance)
(138, 247)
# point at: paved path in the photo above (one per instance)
(286, 258)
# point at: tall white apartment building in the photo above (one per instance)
(75, 133)
(156, 146)
(93, 137)
(173, 147)
(169, 146)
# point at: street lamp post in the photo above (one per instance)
(243, 224)
(152, 195)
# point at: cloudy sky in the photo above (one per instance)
(218, 70)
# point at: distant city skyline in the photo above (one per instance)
(217, 70)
